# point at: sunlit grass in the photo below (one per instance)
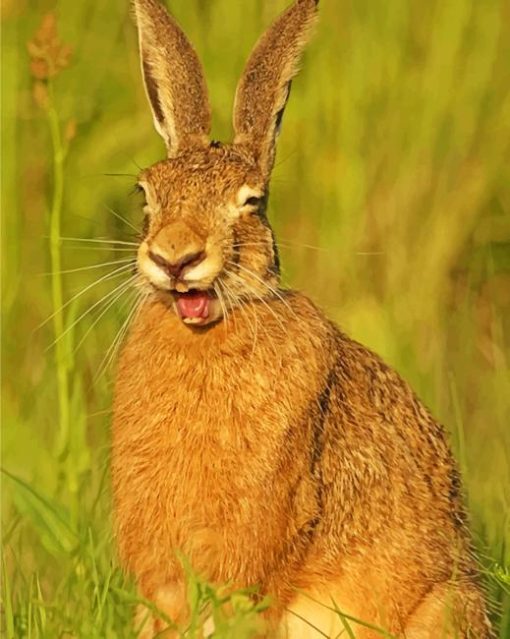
(391, 196)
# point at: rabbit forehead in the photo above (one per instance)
(213, 174)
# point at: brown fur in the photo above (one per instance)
(268, 447)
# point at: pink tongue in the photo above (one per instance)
(194, 304)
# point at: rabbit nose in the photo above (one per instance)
(176, 269)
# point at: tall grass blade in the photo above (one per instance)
(49, 518)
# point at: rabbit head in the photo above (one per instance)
(207, 242)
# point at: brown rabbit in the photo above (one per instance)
(249, 433)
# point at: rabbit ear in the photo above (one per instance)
(174, 80)
(264, 87)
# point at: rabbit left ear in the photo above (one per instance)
(174, 80)
(264, 87)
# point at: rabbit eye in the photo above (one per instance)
(140, 191)
(253, 201)
(250, 199)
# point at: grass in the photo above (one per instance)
(391, 197)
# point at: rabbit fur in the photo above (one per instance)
(251, 435)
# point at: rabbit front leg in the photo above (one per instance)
(171, 601)
(450, 611)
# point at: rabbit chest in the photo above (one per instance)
(210, 446)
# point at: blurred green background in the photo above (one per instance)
(391, 195)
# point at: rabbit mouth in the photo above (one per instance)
(196, 307)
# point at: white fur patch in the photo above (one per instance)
(206, 270)
(150, 269)
(245, 193)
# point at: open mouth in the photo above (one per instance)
(194, 307)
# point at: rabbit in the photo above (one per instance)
(250, 435)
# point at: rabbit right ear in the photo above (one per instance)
(264, 87)
(174, 80)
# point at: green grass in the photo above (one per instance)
(391, 192)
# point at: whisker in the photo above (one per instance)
(298, 245)
(138, 300)
(99, 248)
(91, 267)
(233, 300)
(97, 240)
(259, 297)
(268, 286)
(230, 300)
(91, 308)
(113, 301)
(131, 175)
(244, 311)
(123, 219)
(254, 325)
(104, 278)
(283, 244)
(219, 295)
(289, 244)
(106, 359)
